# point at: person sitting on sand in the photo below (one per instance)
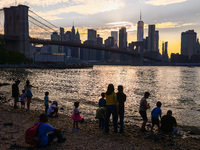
(53, 110)
(45, 136)
(15, 92)
(155, 113)
(169, 124)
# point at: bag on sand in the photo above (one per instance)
(32, 136)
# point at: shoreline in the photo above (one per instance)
(89, 135)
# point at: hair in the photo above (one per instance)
(43, 117)
(169, 112)
(55, 102)
(120, 88)
(110, 89)
(46, 93)
(146, 94)
(23, 91)
(27, 82)
(76, 104)
(158, 104)
(17, 81)
(103, 95)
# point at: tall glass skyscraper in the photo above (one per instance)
(140, 30)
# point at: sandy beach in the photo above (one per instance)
(14, 122)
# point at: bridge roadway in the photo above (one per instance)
(65, 43)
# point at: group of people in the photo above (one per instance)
(113, 103)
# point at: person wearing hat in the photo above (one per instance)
(48, 133)
(15, 92)
(53, 110)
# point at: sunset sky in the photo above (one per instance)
(170, 16)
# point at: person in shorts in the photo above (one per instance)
(142, 110)
(23, 96)
(15, 93)
(155, 114)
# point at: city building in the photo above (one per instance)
(55, 37)
(188, 43)
(115, 35)
(92, 35)
(123, 38)
(156, 41)
(165, 57)
(151, 38)
(140, 29)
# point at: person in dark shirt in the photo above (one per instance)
(121, 98)
(15, 92)
(169, 124)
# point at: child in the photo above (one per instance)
(156, 112)
(101, 111)
(143, 108)
(121, 98)
(76, 116)
(53, 110)
(23, 95)
(46, 101)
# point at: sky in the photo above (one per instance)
(171, 17)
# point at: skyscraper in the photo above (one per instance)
(92, 35)
(151, 38)
(123, 38)
(156, 41)
(115, 35)
(188, 43)
(55, 37)
(140, 30)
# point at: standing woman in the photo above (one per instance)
(29, 94)
(111, 108)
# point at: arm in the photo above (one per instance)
(115, 100)
(33, 86)
(57, 130)
(145, 104)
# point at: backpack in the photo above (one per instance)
(32, 136)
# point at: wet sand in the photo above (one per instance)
(14, 122)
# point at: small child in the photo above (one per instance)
(156, 112)
(76, 116)
(101, 111)
(23, 95)
(46, 101)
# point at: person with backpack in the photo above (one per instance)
(39, 135)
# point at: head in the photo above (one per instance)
(76, 104)
(43, 118)
(27, 82)
(46, 93)
(159, 104)
(120, 88)
(103, 95)
(55, 102)
(17, 82)
(146, 94)
(23, 91)
(169, 112)
(110, 89)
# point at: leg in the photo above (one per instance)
(144, 117)
(16, 99)
(143, 125)
(100, 123)
(122, 121)
(115, 116)
(28, 102)
(54, 135)
(76, 124)
(73, 124)
(108, 113)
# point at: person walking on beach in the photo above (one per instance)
(111, 108)
(23, 96)
(155, 114)
(29, 94)
(76, 116)
(121, 98)
(142, 110)
(46, 101)
(169, 124)
(101, 111)
(15, 92)
(44, 129)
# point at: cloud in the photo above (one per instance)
(163, 2)
(166, 25)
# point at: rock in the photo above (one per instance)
(8, 124)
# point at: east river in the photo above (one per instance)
(178, 88)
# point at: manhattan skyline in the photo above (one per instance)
(171, 17)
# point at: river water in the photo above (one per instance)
(178, 88)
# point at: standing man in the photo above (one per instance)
(121, 98)
(143, 110)
(15, 93)
(168, 124)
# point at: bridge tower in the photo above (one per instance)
(16, 25)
